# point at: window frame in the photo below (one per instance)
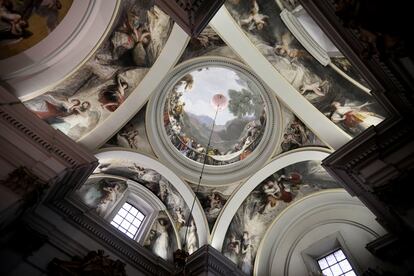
(124, 218)
(145, 201)
(333, 251)
(324, 247)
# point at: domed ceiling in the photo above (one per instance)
(146, 98)
(218, 101)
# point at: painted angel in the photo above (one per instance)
(255, 20)
(285, 49)
(316, 87)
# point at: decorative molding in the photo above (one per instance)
(94, 263)
(192, 15)
(97, 228)
(62, 52)
(307, 41)
(49, 157)
(207, 260)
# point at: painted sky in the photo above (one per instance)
(207, 83)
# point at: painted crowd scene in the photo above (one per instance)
(297, 135)
(84, 100)
(263, 205)
(213, 199)
(190, 112)
(344, 103)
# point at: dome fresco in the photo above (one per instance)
(211, 105)
(191, 106)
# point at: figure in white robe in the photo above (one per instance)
(160, 246)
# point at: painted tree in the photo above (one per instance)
(243, 103)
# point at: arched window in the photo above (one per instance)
(128, 220)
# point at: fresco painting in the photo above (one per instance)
(102, 194)
(86, 98)
(345, 104)
(161, 239)
(265, 202)
(213, 199)
(208, 43)
(189, 114)
(133, 135)
(24, 23)
(162, 188)
(296, 134)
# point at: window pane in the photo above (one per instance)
(322, 263)
(133, 211)
(336, 264)
(125, 224)
(345, 265)
(330, 259)
(140, 216)
(122, 212)
(127, 206)
(339, 255)
(336, 270)
(327, 272)
(117, 219)
(133, 229)
(129, 218)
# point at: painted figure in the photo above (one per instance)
(160, 246)
(353, 117)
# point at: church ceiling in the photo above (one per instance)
(145, 102)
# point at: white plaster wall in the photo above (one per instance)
(310, 220)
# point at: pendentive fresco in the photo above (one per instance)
(265, 202)
(346, 105)
(84, 100)
(160, 187)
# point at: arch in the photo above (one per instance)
(322, 210)
(168, 57)
(234, 202)
(74, 40)
(185, 191)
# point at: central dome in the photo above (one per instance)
(213, 91)
(216, 96)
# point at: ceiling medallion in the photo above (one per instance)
(214, 100)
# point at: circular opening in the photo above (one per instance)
(216, 102)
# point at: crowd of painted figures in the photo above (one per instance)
(193, 149)
(345, 105)
(297, 135)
